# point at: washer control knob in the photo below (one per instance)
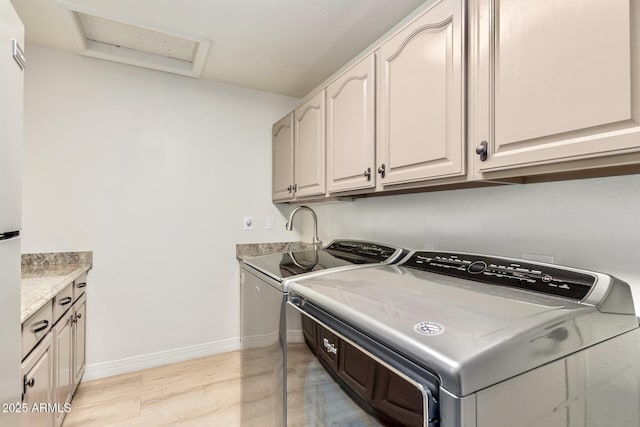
(477, 267)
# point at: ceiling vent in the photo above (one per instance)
(114, 38)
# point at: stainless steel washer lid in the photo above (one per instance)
(338, 254)
(471, 334)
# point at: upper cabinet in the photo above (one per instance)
(351, 129)
(420, 98)
(310, 147)
(282, 156)
(471, 93)
(553, 81)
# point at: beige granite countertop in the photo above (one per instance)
(43, 279)
(250, 250)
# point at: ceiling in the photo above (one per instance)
(281, 46)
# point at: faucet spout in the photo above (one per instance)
(289, 226)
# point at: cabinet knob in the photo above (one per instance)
(367, 174)
(79, 316)
(382, 171)
(26, 384)
(481, 150)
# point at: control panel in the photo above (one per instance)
(505, 272)
(364, 252)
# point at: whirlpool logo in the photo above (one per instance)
(428, 328)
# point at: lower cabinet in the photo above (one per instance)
(38, 385)
(54, 367)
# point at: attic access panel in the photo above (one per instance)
(114, 38)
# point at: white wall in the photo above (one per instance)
(153, 172)
(591, 223)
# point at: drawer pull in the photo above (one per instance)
(331, 348)
(65, 301)
(41, 326)
(81, 285)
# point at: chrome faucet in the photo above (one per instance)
(289, 226)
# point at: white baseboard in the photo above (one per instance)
(136, 363)
(295, 336)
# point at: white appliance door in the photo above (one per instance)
(11, 111)
(10, 337)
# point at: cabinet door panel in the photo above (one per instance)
(556, 80)
(79, 341)
(63, 369)
(282, 156)
(421, 98)
(310, 147)
(351, 128)
(38, 372)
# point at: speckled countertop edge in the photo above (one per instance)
(45, 275)
(56, 258)
(250, 250)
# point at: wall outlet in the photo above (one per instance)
(269, 223)
(247, 223)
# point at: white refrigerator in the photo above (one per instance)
(11, 111)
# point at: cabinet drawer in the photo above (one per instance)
(36, 327)
(62, 302)
(328, 347)
(79, 286)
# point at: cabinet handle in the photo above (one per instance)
(382, 171)
(81, 285)
(289, 189)
(367, 174)
(27, 384)
(481, 150)
(331, 348)
(41, 326)
(65, 301)
(295, 187)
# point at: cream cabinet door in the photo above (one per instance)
(310, 147)
(38, 388)
(63, 363)
(420, 100)
(554, 80)
(351, 129)
(282, 159)
(79, 329)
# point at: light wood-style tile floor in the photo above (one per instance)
(202, 392)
